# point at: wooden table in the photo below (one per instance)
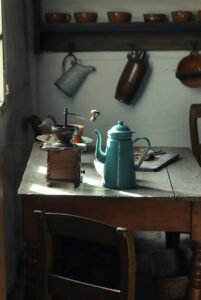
(167, 200)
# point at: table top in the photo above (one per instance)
(179, 180)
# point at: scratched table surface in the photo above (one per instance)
(179, 179)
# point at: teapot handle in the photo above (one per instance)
(64, 63)
(145, 151)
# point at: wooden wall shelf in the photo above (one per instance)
(113, 37)
(117, 37)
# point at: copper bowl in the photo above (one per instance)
(64, 134)
(181, 16)
(118, 16)
(85, 17)
(55, 18)
(154, 17)
(77, 138)
(189, 70)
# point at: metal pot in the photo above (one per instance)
(189, 70)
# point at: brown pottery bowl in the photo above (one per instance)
(85, 17)
(154, 17)
(55, 18)
(181, 16)
(118, 16)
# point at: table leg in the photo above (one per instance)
(31, 270)
(194, 290)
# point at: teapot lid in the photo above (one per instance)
(120, 131)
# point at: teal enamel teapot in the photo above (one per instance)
(118, 159)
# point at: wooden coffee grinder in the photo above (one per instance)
(64, 157)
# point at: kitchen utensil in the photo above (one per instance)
(189, 70)
(159, 162)
(154, 17)
(118, 16)
(131, 77)
(73, 76)
(55, 18)
(118, 159)
(64, 133)
(181, 16)
(85, 17)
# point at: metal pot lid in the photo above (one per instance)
(120, 131)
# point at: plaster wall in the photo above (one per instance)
(160, 108)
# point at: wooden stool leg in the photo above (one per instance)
(194, 289)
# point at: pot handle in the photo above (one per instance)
(183, 75)
(64, 63)
(145, 151)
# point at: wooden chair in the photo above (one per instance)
(52, 228)
(194, 115)
(172, 239)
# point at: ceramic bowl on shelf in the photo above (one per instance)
(56, 18)
(85, 17)
(118, 16)
(181, 16)
(155, 17)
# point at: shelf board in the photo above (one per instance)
(117, 37)
(122, 27)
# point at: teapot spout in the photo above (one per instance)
(99, 154)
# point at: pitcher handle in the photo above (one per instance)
(145, 151)
(63, 68)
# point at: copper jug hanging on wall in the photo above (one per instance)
(189, 70)
(131, 77)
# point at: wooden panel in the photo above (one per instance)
(64, 164)
(196, 226)
(139, 214)
(30, 203)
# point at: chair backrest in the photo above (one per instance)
(194, 115)
(55, 226)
